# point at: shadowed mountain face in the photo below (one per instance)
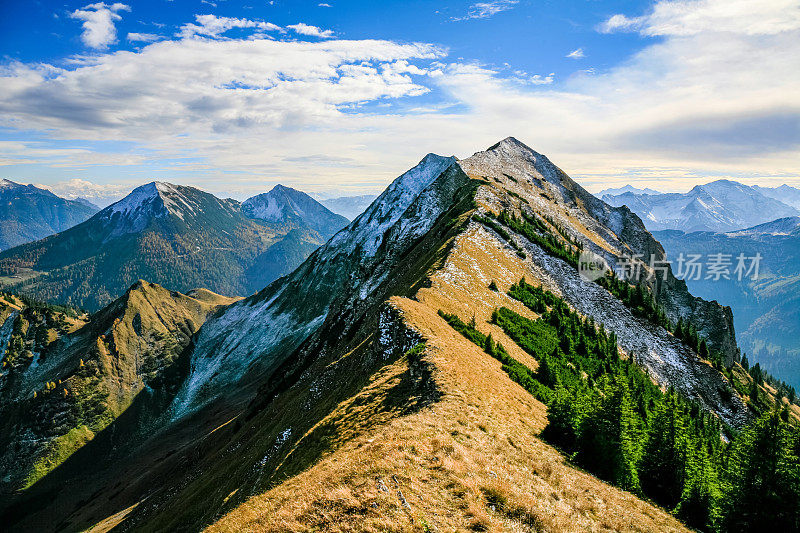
(765, 309)
(28, 213)
(317, 401)
(720, 206)
(178, 236)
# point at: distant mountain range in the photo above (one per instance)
(720, 206)
(349, 206)
(178, 236)
(28, 213)
(624, 189)
(766, 311)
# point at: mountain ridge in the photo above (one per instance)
(343, 378)
(178, 235)
(721, 205)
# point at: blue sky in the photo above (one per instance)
(341, 96)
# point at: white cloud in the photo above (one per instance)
(101, 194)
(214, 26)
(576, 54)
(619, 22)
(324, 5)
(313, 31)
(98, 23)
(693, 17)
(538, 79)
(483, 10)
(143, 37)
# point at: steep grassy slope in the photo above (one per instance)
(69, 389)
(338, 399)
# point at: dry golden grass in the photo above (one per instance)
(470, 461)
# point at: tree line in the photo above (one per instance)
(607, 416)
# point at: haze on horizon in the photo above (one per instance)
(341, 97)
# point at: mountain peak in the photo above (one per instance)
(283, 188)
(286, 205)
(509, 154)
(157, 199)
(509, 142)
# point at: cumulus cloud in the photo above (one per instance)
(313, 31)
(98, 19)
(214, 26)
(538, 79)
(576, 54)
(216, 86)
(484, 10)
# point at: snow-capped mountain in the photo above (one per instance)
(352, 273)
(284, 205)
(788, 226)
(265, 328)
(721, 205)
(349, 206)
(28, 213)
(178, 236)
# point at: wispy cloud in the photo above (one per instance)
(324, 5)
(484, 10)
(312, 31)
(98, 19)
(143, 37)
(576, 54)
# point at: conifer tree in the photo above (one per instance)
(664, 457)
(762, 489)
(488, 345)
(700, 497)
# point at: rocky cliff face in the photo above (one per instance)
(611, 232)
